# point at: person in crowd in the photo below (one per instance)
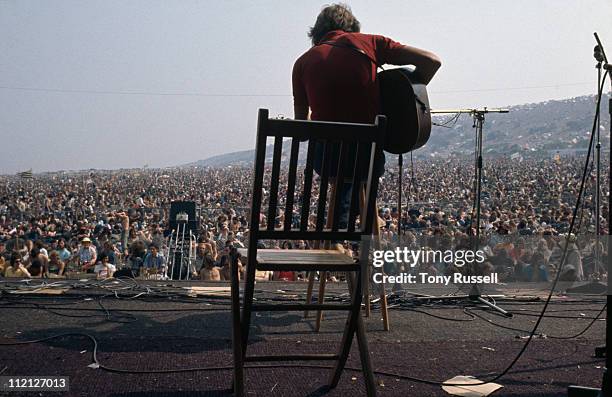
(56, 266)
(86, 256)
(104, 269)
(63, 251)
(16, 268)
(154, 262)
(136, 254)
(3, 261)
(109, 249)
(37, 266)
(209, 272)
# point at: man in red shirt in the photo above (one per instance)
(339, 84)
(334, 82)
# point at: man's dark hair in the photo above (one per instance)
(14, 257)
(333, 17)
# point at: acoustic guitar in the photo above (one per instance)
(406, 106)
(404, 102)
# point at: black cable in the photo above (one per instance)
(593, 320)
(470, 316)
(450, 123)
(217, 368)
(394, 303)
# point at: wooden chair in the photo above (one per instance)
(349, 140)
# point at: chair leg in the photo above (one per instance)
(249, 289)
(238, 375)
(383, 296)
(366, 285)
(322, 283)
(383, 307)
(366, 294)
(364, 355)
(349, 330)
(311, 280)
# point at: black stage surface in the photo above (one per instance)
(164, 330)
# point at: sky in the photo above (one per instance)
(127, 83)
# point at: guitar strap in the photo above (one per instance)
(354, 48)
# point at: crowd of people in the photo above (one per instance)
(115, 223)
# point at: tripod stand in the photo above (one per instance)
(479, 118)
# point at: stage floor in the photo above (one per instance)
(173, 331)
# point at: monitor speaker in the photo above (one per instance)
(183, 207)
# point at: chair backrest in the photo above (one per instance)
(342, 145)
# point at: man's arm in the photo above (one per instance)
(300, 99)
(427, 63)
(94, 256)
(300, 112)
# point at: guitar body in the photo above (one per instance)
(406, 106)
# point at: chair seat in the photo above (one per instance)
(303, 260)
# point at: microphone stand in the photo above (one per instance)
(479, 117)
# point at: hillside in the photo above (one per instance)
(537, 129)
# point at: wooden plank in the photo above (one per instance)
(307, 129)
(43, 291)
(325, 234)
(354, 209)
(274, 181)
(337, 201)
(299, 267)
(293, 160)
(307, 186)
(323, 185)
(302, 256)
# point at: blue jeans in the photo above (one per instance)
(345, 204)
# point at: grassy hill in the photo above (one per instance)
(532, 130)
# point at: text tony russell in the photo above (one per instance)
(425, 278)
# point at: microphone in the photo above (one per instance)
(598, 54)
(598, 51)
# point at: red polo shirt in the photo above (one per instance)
(339, 84)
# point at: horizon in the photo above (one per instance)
(193, 163)
(111, 85)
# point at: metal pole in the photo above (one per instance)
(597, 178)
(400, 163)
(192, 253)
(182, 252)
(479, 123)
(168, 254)
(174, 251)
(606, 387)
